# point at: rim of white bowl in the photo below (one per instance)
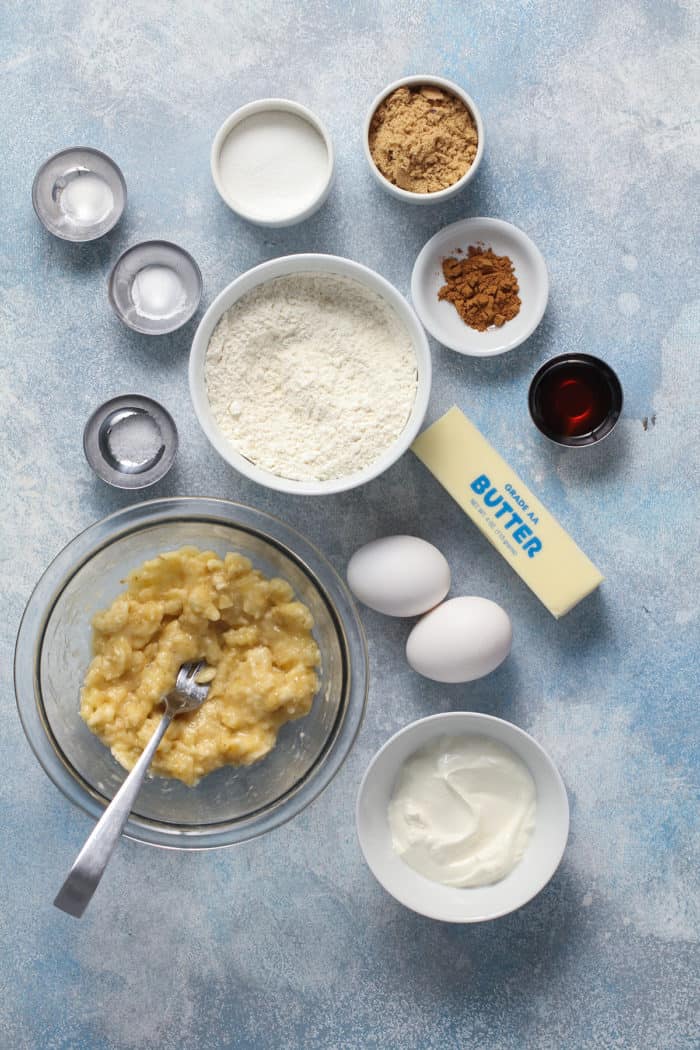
(262, 105)
(419, 277)
(480, 724)
(309, 263)
(451, 88)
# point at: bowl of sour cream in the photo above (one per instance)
(462, 817)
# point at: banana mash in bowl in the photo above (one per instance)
(186, 605)
(152, 586)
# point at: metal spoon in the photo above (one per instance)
(84, 877)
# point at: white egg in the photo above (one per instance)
(463, 639)
(399, 575)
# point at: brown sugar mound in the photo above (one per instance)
(482, 287)
(422, 139)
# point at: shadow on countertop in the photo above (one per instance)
(454, 963)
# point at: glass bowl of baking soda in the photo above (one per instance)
(155, 287)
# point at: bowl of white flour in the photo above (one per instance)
(310, 374)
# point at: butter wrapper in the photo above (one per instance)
(507, 512)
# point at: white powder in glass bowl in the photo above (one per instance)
(311, 376)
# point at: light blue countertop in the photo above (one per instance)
(288, 942)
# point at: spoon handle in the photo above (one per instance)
(84, 877)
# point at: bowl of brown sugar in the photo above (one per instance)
(424, 139)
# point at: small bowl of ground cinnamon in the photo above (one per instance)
(480, 287)
(424, 139)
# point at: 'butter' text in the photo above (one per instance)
(492, 499)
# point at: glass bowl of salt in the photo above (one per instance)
(79, 194)
(130, 441)
(155, 287)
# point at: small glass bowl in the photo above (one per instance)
(176, 267)
(59, 179)
(605, 385)
(53, 651)
(130, 441)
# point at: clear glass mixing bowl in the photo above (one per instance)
(53, 652)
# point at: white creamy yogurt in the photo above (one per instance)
(463, 810)
(273, 165)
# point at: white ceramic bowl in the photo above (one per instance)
(311, 263)
(252, 109)
(441, 318)
(449, 903)
(440, 195)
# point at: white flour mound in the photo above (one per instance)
(311, 376)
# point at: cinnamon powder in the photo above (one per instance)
(482, 287)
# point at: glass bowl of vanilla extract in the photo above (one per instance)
(575, 400)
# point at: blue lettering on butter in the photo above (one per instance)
(505, 509)
(482, 486)
(522, 533)
(533, 546)
(516, 498)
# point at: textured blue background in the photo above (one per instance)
(288, 941)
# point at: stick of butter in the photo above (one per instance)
(507, 512)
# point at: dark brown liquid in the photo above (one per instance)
(572, 399)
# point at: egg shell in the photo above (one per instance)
(399, 575)
(463, 639)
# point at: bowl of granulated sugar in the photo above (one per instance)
(272, 162)
(310, 374)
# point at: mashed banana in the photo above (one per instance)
(187, 605)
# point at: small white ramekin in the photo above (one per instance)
(452, 903)
(449, 191)
(251, 109)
